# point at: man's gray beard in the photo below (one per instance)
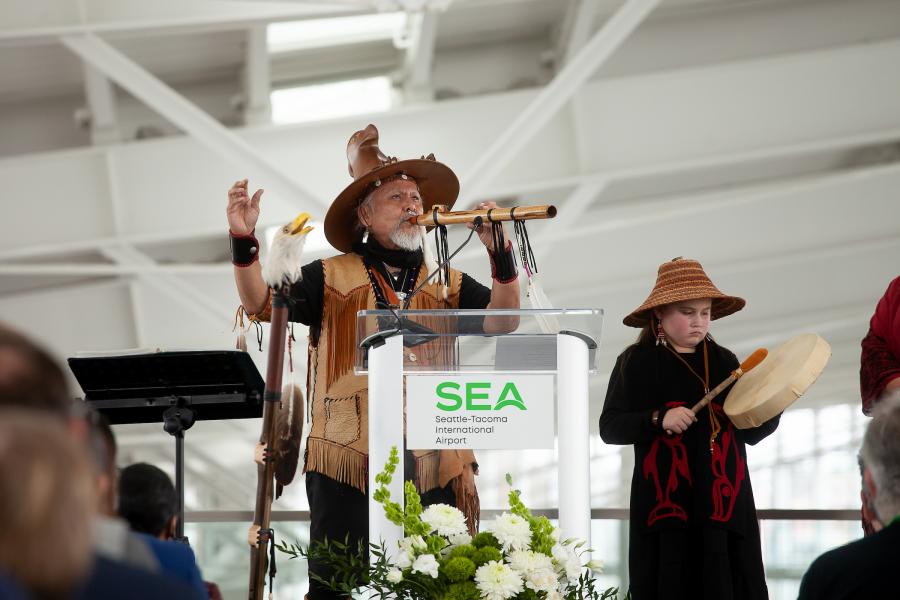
(411, 240)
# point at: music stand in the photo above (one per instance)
(177, 388)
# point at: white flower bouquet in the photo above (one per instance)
(519, 556)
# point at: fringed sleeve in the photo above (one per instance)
(265, 314)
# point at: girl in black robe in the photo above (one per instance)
(693, 531)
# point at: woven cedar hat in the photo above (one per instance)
(369, 169)
(683, 279)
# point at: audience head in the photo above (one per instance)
(101, 444)
(46, 504)
(147, 500)
(29, 377)
(880, 459)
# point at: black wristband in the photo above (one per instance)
(503, 265)
(662, 415)
(244, 249)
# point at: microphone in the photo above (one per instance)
(478, 222)
(414, 333)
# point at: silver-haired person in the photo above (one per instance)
(867, 568)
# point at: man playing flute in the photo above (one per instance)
(381, 264)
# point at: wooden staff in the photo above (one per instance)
(439, 215)
(751, 361)
(259, 536)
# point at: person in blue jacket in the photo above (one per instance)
(147, 501)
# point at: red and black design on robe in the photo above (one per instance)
(726, 487)
(679, 469)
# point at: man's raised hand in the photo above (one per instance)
(243, 211)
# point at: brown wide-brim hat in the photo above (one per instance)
(437, 183)
(679, 280)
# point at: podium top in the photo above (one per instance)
(478, 340)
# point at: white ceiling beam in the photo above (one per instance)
(257, 77)
(638, 213)
(793, 139)
(577, 26)
(68, 319)
(575, 31)
(109, 270)
(418, 60)
(634, 213)
(200, 125)
(833, 319)
(887, 245)
(101, 102)
(551, 98)
(820, 327)
(185, 294)
(711, 161)
(569, 213)
(116, 208)
(140, 331)
(131, 17)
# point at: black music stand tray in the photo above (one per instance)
(175, 388)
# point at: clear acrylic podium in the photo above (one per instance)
(457, 345)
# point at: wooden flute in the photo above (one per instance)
(439, 215)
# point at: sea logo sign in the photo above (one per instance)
(477, 395)
(480, 411)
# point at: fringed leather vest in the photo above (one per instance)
(338, 441)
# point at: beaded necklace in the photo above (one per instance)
(383, 286)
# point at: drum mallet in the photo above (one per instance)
(750, 362)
